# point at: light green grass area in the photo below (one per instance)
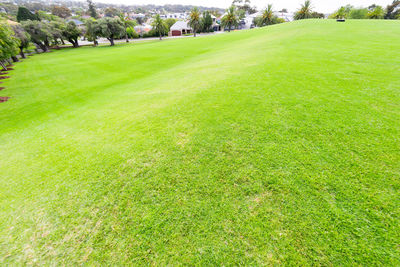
(278, 145)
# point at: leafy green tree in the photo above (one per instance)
(92, 9)
(339, 14)
(305, 11)
(376, 12)
(159, 26)
(111, 28)
(169, 22)
(112, 12)
(127, 23)
(393, 10)
(216, 13)
(56, 29)
(358, 13)
(72, 33)
(206, 22)
(43, 15)
(8, 44)
(267, 18)
(230, 19)
(24, 38)
(132, 33)
(92, 30)
(61, 11)
(317, 15)
(40, 33)
(25, 14)
(244, 5)
(194, 20)
(342, 13)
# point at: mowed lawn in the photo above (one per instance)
(278, 145)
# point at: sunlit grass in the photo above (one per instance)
(277, 145)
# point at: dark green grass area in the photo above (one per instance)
(278, 145)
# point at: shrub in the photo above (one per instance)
(132, 33)
(25, 14)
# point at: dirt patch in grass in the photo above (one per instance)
(1, 88)
(3, 99)
(4, 77)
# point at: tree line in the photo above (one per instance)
(392, 11)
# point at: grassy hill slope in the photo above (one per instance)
(275, 145)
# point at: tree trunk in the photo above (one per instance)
(62, 41)
(43, 47)
(95, 43)
(111, 39)
(194, 31)
(160, 36)
(46, 43)
(15, 59)
(21, 52)
(4, 66)
(126, 37)
(74, 42)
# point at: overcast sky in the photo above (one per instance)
(291, 5)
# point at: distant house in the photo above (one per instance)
(216, 23)
(182, 16)
(77, 22)
(180, 28)
(137, 16)
(143, 29)
(284, 15)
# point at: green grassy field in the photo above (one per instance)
(278, 145)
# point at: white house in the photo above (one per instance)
(287, 16)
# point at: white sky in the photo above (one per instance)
(291, 5)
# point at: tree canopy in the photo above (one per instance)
(9, 44)
(61, 11)
(305, 11)
(377, 12)
(230, 19)
(159, 26)
(40, 33)
(206, 22)
(112, 12)
(194, 20)
(268, 16)
(111, 28)
(25, 14)
(92, 30)
(23, 36)
(71, 33)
